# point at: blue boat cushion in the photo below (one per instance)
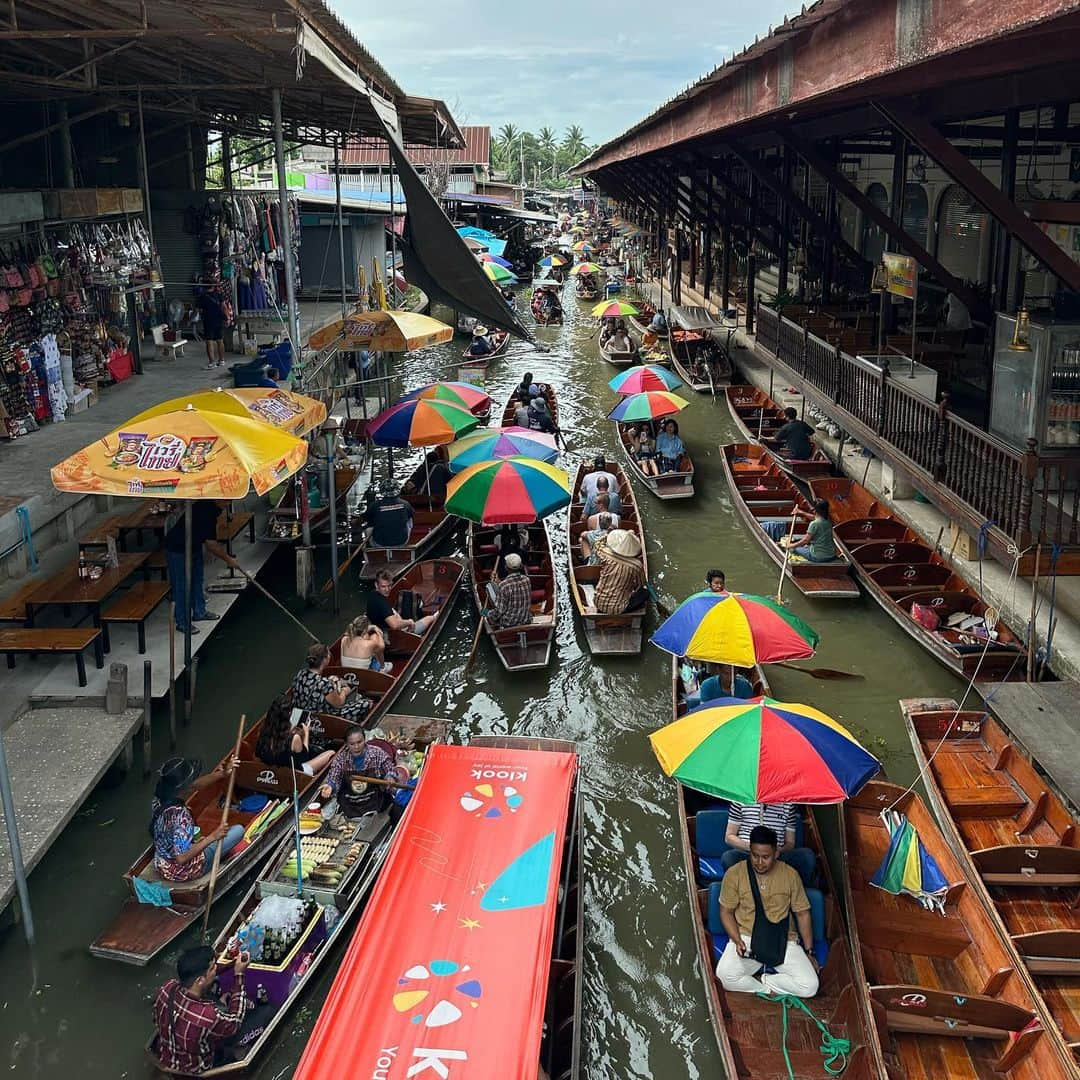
(709, 841)
(817, 921)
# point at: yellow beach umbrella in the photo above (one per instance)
(390, 331)
(295, 413)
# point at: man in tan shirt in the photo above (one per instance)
(782, 895)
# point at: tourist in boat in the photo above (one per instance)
(619, 340)
(194, 1030)
(527, 389)
(540, 418)
(284, 743)
(178, 855)
(783, 819)
(658, 323)
(670, 447)
(391, 520)
(621, 585)
(591, 480)
(316, 692)
(650, 340)
(480, 344)
(204, 515)
(604, 486)
(600, 524)
(607, 330)
(795, 435)
(387, 617)
(513, 597)
(816, 544)
(364, 646)
(757, 899)
(715, 581)
(643, 450)
(603, 508)
(510, 540)
(521, 414)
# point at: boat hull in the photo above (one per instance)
(675, 485)
(758, 418)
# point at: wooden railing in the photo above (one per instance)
(1016, 499)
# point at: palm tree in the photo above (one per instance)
(545, 138)
(574, 143)
(508, 133)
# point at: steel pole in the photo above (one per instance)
(286, 238)
(145, 174)
(16, 848)
(188, 608)
(340, 225)
(330, 439)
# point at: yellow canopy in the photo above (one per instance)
(295, 413)
(188, 453)
(390, 331)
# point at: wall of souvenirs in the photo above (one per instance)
(68, 294)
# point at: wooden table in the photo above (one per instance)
(66, 589)
(145, 519)
(35, 641)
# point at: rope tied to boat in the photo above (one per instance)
(833, 1048)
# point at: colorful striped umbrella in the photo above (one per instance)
(643, 378)
(614, 309)
(504, 263)
(487, 444)
(650, 405)
(763, 751)
(735, 628)
(582, 245)
(499, 274)
(908, 867)
(586, 268)
(514, 491)
(420, 423)
(552, 260)
(463, 395)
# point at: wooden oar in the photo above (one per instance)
(274, 600)
(224, 821)
(661, 608)
(787, 557)
(822, 672)
(472, 651)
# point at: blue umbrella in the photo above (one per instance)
(908, 867)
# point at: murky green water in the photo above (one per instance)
(644, 1011)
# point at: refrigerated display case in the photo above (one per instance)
(1036, 393)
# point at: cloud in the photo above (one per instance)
(603, 67)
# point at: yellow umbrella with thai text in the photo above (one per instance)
(294, 413)
(388, 331)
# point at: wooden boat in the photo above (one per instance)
(747, 1028)
(758, 419)
(699, 358)
(560, 1050)
(519, 648)
(431, 524)
(549, 396)
(436, 582)
(555, 317)
(1020, 842)
(606, 635)
(587, 295)
(500, 343)
(898, 570)
(283, 521)
(672, 485)
(640, 323)
(286, 980)
(622, 358)
(762, 491)
(947, 992)
(141, 930)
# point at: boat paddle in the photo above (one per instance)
(224, 822)
(273, 599)
(342, 568)
(821, 672)
(787, 557)
(661, 608)
(472, 651)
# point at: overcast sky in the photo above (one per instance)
(603, 66)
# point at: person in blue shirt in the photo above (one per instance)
(658, 322)
(670, 447)
(480, 345)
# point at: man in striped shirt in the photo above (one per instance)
(782, 818)
(621, 586)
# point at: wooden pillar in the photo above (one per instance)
(896, 213)
(710, 215)
(785, 221)
(1003, 248)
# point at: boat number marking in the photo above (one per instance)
(910, 1001)
(937, 601)
(1031, 853)
(267, 776)
(910, 572)
(889, 552)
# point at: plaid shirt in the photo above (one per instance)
(377, 763)
(190, 1029)
(513, 602)
(619, 580)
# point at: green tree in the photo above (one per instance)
(545, 139)
(574, 143)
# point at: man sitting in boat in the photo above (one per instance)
(605, 485)
(621, 585)
(510, 540)
(194, 1031)
(783, 819)
(315, 692)
(619, 341)
(356, 760)
(757, 900)
(795, 435)
(178, 855)
(599, 525)
(590, 482)
(387, 617)
(670, 447)
(480, 344)
(658, 324)
(512, 599)
(816, 544)
(603, 509)
(391, 520)
(539, 416)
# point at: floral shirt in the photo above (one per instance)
(309, 693)
(174, 833)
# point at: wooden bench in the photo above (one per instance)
(228, 529)
(158, 563)
(13, 607)
(101, 532)
(136, 605)
(50, 640)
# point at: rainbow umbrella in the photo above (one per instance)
(643, 378)
(499, 274)
(586, 268)
(487, 444)
(735, 628)
(504, 263)
(463, 395)
(551, 260)
(420, 423)
(614, 309)
(908, 867)
(763, 751)
(650, 405)
(513, 491)
(582, 245)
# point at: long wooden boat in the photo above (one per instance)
(549, 396)
(640, 323)
(699, 358)
(519, 648)
(899, 570)
(285, 981)
(587, 296)
(141, 930)
(556, 315)
(670, 485)
(560, 1050)
(948, 995)
(758, 419)
(606, 635)
(747, 1028)
(762, 491)
(479, 364)
(431, 524)
(621, 358)
(1020, 841)
(436, 582)
(283, 522)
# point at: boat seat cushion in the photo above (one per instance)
(709, 842)
(817, 921)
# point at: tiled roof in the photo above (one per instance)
(477, 151)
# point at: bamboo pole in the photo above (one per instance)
(224, 821)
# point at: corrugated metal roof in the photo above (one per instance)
(477, 151)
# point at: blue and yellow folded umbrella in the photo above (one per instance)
(908, 867)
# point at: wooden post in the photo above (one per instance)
(941, 442)
(147, 704)
(1029, 468)
(838, 377)
(751, 273)
(785, 220)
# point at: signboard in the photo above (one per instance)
(902, 275)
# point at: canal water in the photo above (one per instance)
(66, 1014)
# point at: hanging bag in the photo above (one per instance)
(768, 940)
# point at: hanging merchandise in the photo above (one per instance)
(250, 250)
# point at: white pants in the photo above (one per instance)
(795, 976)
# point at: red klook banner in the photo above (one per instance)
(446, 977)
